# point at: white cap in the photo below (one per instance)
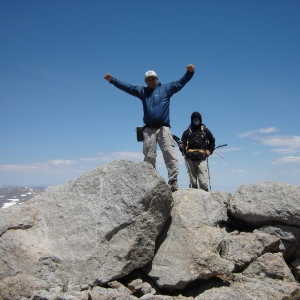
(150, 74)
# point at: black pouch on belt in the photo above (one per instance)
(139, 134)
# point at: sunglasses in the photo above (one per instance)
(151, 78)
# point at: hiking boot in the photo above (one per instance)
(173, 185)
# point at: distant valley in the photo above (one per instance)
(16, 195)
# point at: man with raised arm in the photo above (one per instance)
(155, 98)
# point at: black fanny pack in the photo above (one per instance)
(139, 133)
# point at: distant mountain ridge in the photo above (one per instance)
(12, 195)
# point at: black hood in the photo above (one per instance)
(195, 115)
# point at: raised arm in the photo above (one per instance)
(124, 86)
(178, 85)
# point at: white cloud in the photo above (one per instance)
(286, 144)
(285, 150)
(57, 163)
(245, 134)
(261, 130)
(287, 159)
(80, 164)
(19, 168)
(62, 162)
(256, 153)
(238, 171)
(108, 157)
(267, 130)
(279, 140)
(282, 144)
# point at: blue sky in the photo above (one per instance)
(60, 118)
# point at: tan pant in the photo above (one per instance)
(164, 138)
(197, 171)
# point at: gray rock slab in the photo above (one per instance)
(16, 287)
(267, 203)
(268, 277)
(270, 265)
(91, 230)
(196, 207)
(223, 293)
(285, 233)
(290, 237)
(245, 247)
(296, 267)
(190, 248)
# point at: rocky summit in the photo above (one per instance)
(118, 232)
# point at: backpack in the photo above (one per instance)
(203, 130)
(196, 154)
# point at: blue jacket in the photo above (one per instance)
(156, 102)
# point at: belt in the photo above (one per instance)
(157, 125)
(196, 150)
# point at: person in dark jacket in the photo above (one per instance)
(198, 144)
(155, 98)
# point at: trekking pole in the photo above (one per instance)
(208, 165)
(177, 139)
(208, 173)
(221, 146)
(179, 142)
(218, 155)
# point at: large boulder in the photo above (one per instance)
(89, 231)
(189, 249)
(245, 247)
(267, 203)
